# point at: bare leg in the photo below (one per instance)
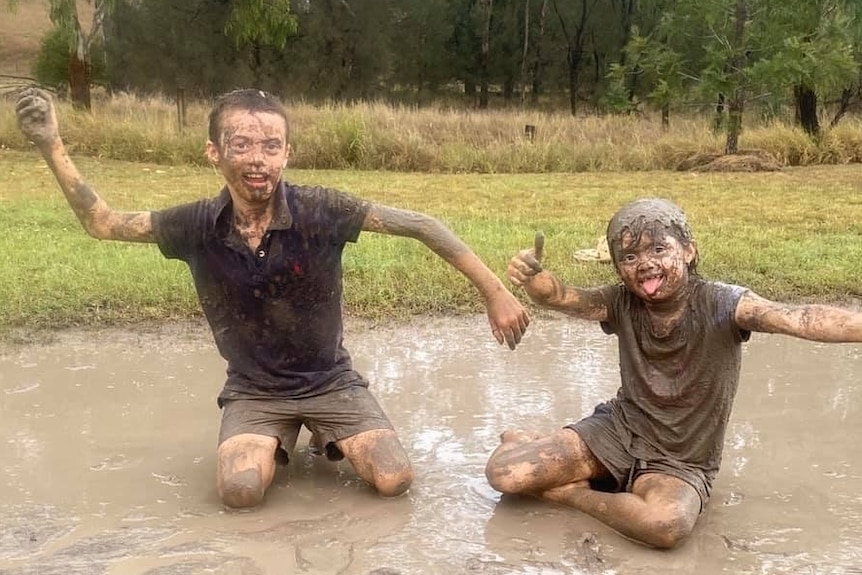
(530, 464)
(246, 467)
(660, 511)
(379, 458)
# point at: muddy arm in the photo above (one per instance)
(37, 120)
(507, 316)
(547, 290)
(808, 321)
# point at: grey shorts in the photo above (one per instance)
(330, 417)
(600, 433)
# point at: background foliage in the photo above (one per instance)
(583, 56)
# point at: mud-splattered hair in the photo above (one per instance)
(245, 99)
(655, 217)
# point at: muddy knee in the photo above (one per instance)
(501, 478)
(242, 489)
(393, 484)
(669, 529)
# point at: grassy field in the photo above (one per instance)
(791, 235)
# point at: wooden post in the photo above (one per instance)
(181, 109)
(530, 132)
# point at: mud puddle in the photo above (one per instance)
(107, 445)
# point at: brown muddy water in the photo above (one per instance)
(107, 444)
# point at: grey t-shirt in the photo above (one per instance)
(677, 391)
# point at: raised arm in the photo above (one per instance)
(547, 290)
(37, 119)
(507, 316)
(808, 321)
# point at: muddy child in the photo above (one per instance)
(265, 256)
(644, 461)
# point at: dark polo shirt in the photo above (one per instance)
(275, 312)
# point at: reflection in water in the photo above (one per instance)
(108, 461)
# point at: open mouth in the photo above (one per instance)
(652, 285)
(254, 179)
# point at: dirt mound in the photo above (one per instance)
(743, 161)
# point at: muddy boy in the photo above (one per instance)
(644, 461)
(265, 256)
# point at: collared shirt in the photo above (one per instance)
(275, 311)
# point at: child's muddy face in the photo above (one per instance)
(654, 269)
(251, 153)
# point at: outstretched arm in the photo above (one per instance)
(547, 290)
(507, 316)
(37, 119)
(808, 321)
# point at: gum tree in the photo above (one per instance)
(64, 14)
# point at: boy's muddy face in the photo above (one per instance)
(251, 153)
(654, 268)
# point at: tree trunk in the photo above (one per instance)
(470, 88)
(718, 121)
(79, 81)
(627, 14)
(575, 41)
(734, 126)
(574, 60)
(538, 70)
(736, 103)
(847, 95)
(508, 89)
(79, 62)
(485, 55)
(806, 109)
(256, 64)
(526, 51)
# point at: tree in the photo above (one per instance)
(533, 38)
(64, 15)
(258, 23)
(486, 11)
(707, 44)
(185, 42)
(420, 58)
(658, 67)
(574, 27)
(809, 46)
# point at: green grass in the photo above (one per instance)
(793, 235)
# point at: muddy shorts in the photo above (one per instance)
(599, 431)
(330, 417)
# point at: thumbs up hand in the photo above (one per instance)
(526, 264)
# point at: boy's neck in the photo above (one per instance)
(252, 221)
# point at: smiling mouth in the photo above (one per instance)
(255, 179)
(652, 285)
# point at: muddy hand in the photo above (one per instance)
(36, 116)
(527, 263)
(508, 318)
